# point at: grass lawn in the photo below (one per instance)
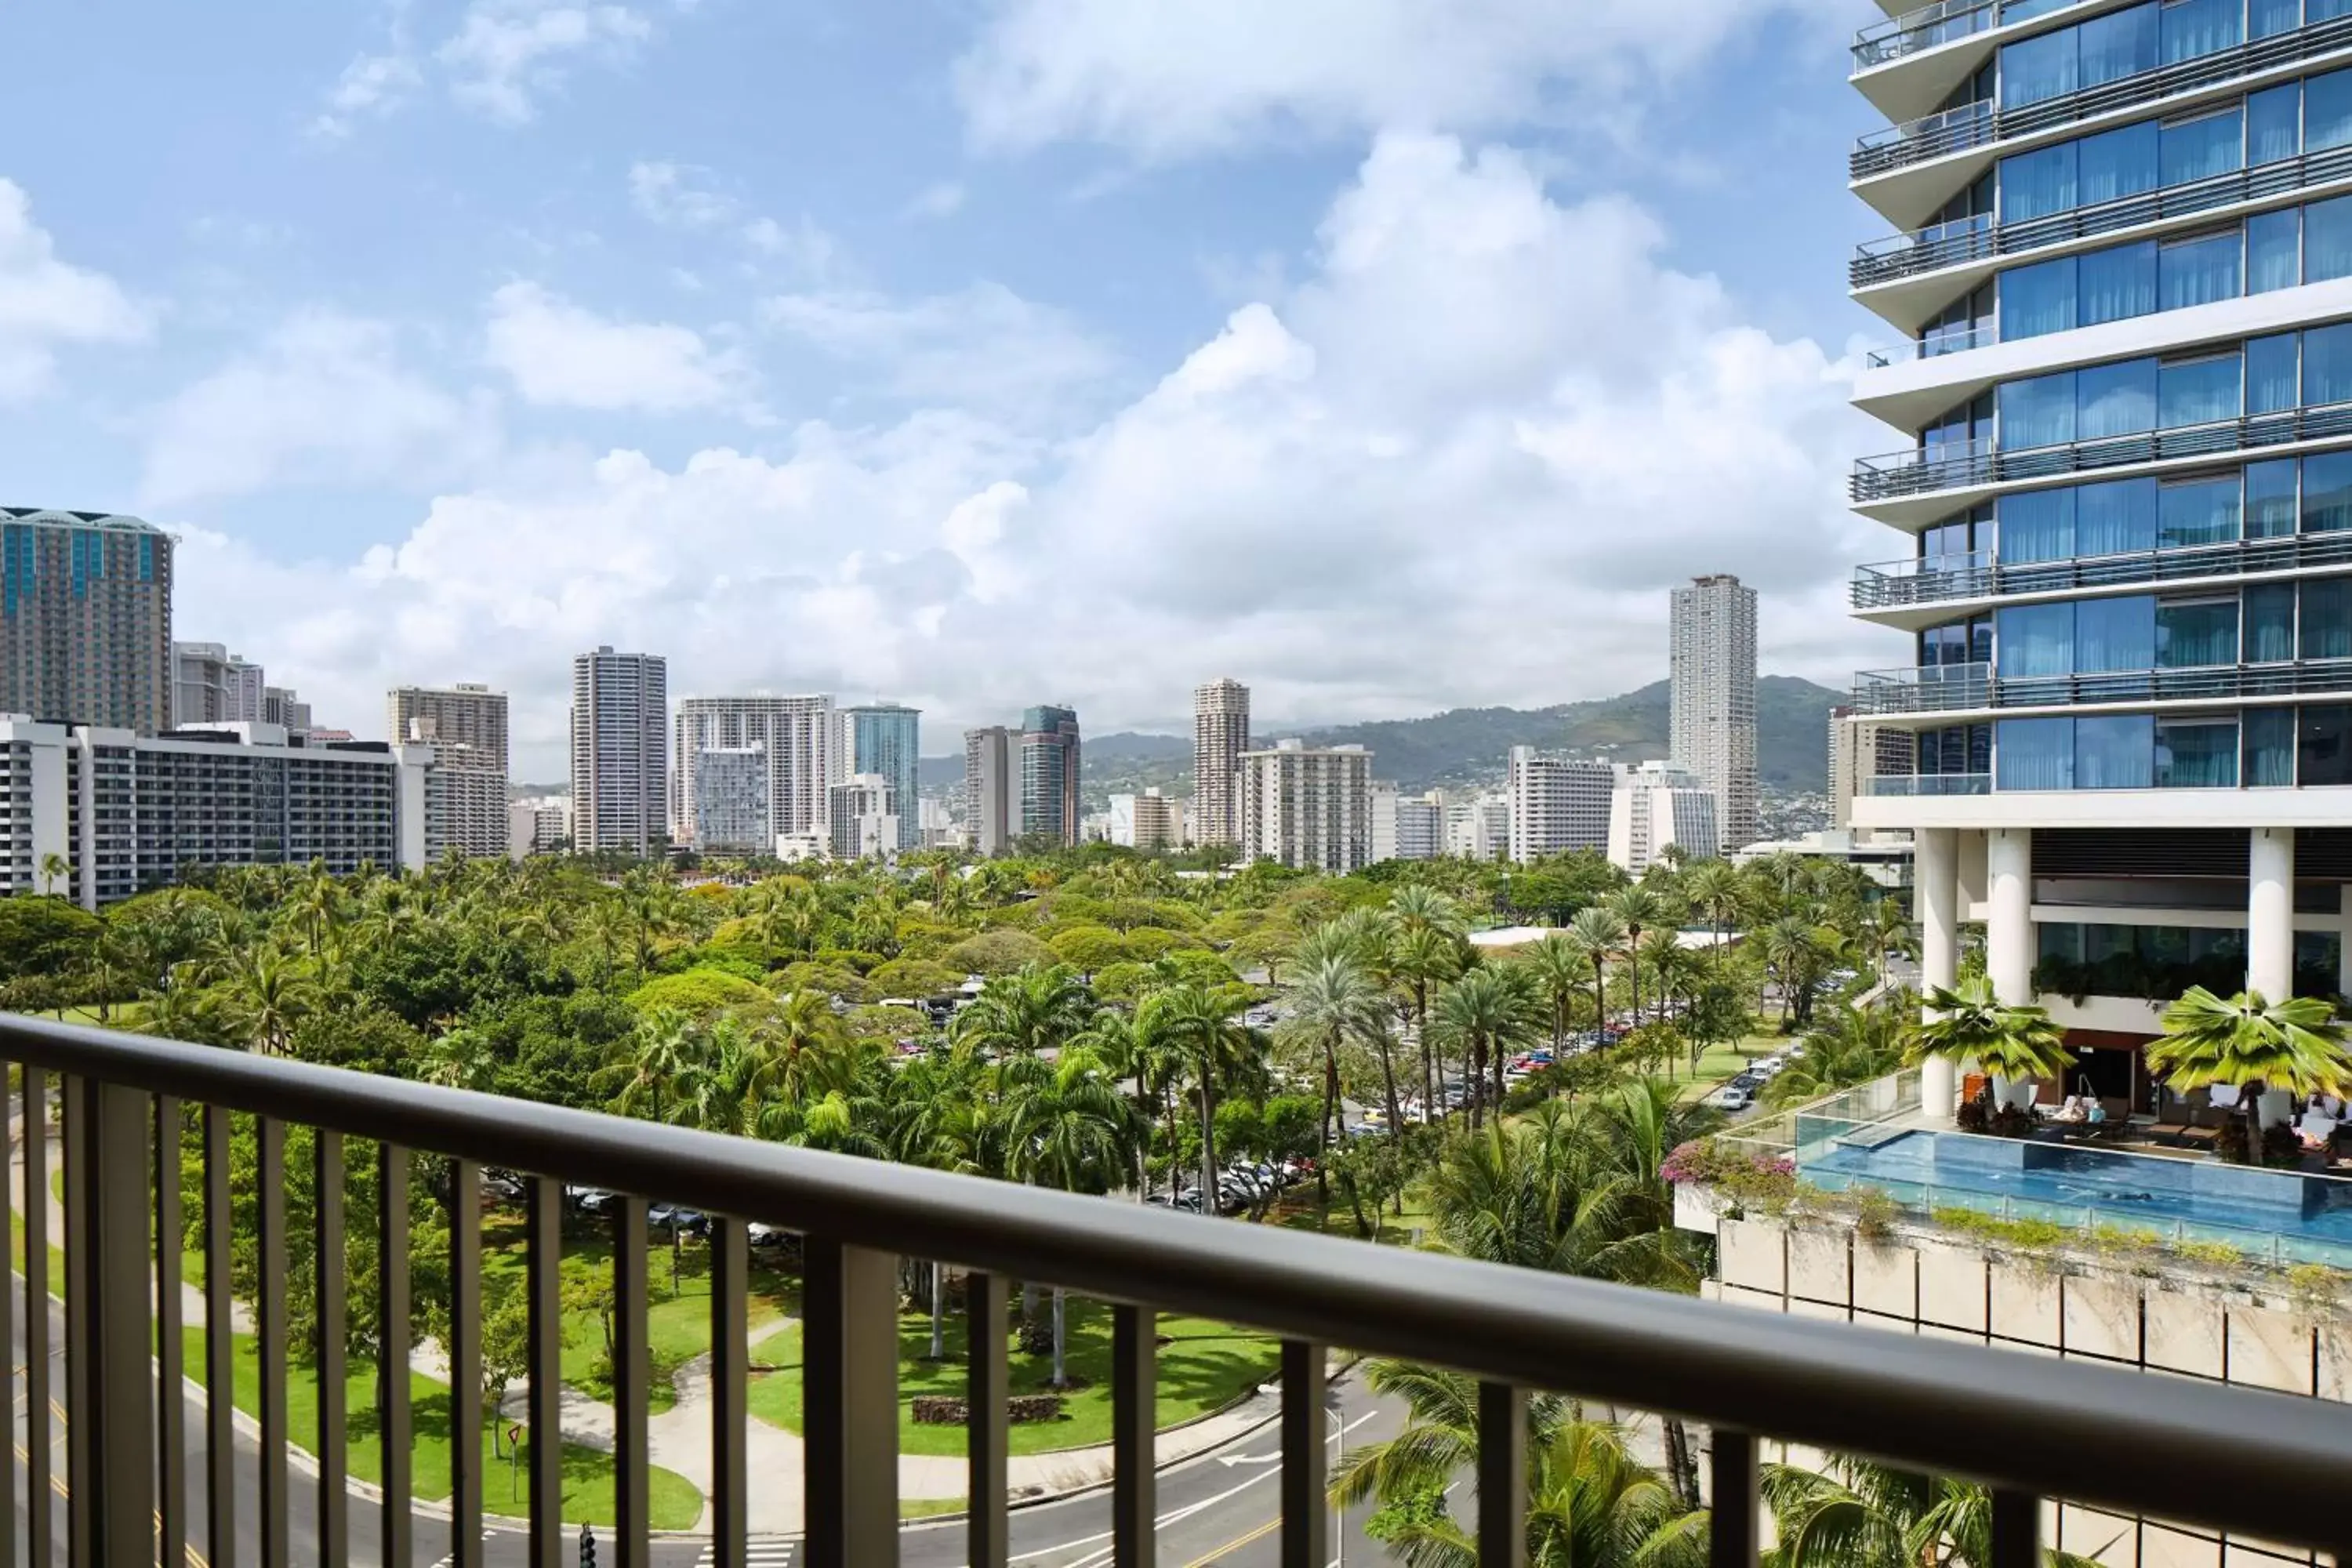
(1396, 1230)
(1202, 1366)
(1722, 1062)
(587, 1472)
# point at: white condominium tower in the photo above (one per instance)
(1308, 808)
(1220, 727)
(1557, 804)
(620, 747)
(211, 685)
(466, 725)
(803, 739)
(1656, 806)
(1711, 730)
(2120, 399)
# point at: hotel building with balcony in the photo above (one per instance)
(2122, 402)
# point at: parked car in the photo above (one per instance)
(759, 1233)
(1732, 1097)
(590, 1200)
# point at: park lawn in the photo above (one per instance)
(1203, 1367)
(1725, 1061)
(1339, 1220)
(587, 1472)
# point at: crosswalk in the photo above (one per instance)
(756, 1555)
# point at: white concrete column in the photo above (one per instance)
(1936, 889)
(2008, 916)
(2343, 940)
(2270, 914)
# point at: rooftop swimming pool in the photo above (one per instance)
(2287, 1215)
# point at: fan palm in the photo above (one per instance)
(2010, 1042)
(2250, 1044)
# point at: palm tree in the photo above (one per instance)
(2014, 1044)
(662, 1051)
(1598, 932)
(1485, 1014)
(271, 997)
(1637, 909)
(1326, 1002)
(1858, 1046)
(1196, 1026)
(1793, 951)
(1856, 1513)
(803, 1050)
(2251, 1045)
(1558, 962)
(1068, 1127)
(1713, 886)
(55, 869)
(1037, 1009)
(1420, 955)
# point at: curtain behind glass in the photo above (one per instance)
(2325, 10)
(2038, 525)
(2035, 185)
(2196, 511)
(2328, 239)
(2039, 412)
(2037, 300)
(2199, 149)
(2117, 283)
(2326, 110)
(2270, 498)
(2198, 633)
(2327, 365)
(2132, 158)
(2199, 271)
(2273, 250)
(2198, 391)
(2327, 493)
(2271, 374)
(2117, 752)
(2117, 518)
(2035, 68)
(2270, 622)
(2269, 736)
(2197, 753)
(2115, 633)
(2194, 28)
(2327, 618)
(2034, 640)
(2034, 754)
(2275, 122)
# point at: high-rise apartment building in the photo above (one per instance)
(538, 827)
(281, 707)
(211, 685)
(2120, 452)
(466, 725)
(802, 736)
(1557, 804)
(1147, 821)
(1657, 805)
(1711, 728)
(990, 788)
(1406, 827)
(885, 738)
(1049, 773)
(733, 805)
(863, 819)
(1309, 808)
(86, 618)
(1221, 734)
(1860, 750)
(619, 751)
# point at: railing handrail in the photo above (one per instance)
(1982, 574)
(2094, 1435)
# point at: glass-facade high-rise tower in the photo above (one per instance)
(2121, 496)
(1049, 772)
(887, 739)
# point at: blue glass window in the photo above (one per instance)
(2270, 622)
(2117, 518)
(2038, 411)
(2131, 159)
(2035, 68)
(2197, 753)
(2270, 747)
(2270, 498)
(2325, 624)
(2038, 525)
(2193, 27)
(2116, 399)
(2114, 752)
(2273, 250)
(2035, 639)
(2328, 240)
(2196, 511)
(2035, 185)
(2325, 10)
(2198, 391)
(2115, 633)
(2034, 754)
(2199, 271)
(2275, 123)
(2117, 283)
(2327, 365)
(2270, 375)
(2197, 631)
(2200, 148)
(2037, 300)
(2327, 493)
(2268, 18)
(2326, 110)
(2122, 43)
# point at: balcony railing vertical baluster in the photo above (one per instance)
(988, 1532)
(632, 1371)
(465, 1364)
(394, 1420)
(333, 1268)
(2016, 1529)
(1733, 1523)
(8, 1303)
(220, 1347)
(114, 1491)
(1134, 1399)
(543, 1365)
(170, 1349)
(730, 1357)
(269, 1206)
(849, 1356)
(40, 1523)
(1305, 1445)
(1502, 1476)
(81, 1303)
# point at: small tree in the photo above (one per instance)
(2014, 1042)
(506, 1353)
(2250, 1044)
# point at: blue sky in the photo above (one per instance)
(1387, 355)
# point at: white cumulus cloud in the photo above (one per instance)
(557, 354)
(507, 54)
(45, 303)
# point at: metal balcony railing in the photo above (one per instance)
(1924, 469)
(1923, 785)
(1940, 23)
(1982, 124)
(1936, 578)
(2261, 1463)
(1980, 239)
(1935, 346)
(1953, 688)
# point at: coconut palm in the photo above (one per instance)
(1041, 1007)
(800, 1048)
(1195, 1027)
(2251, 1045)
(645, 1065)
(1068, 1127)
(2010, 1042)
(1638, 909)
(1857, 1046)
(1599, 933)
(1422, 954)
(1483, 1014)
(1856, 1513)
(1558, 966)
(55, 869)
(270, 995)
(1326, 1003)
(1714, 888)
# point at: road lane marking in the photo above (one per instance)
(1260, 1533)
